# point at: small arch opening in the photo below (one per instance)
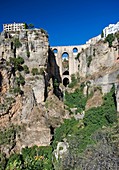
(55, 51)
(65, 56)
(75, 50)
(66, 72)
(65, 81)
(65, 60)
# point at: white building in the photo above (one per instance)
(14, 27)
(112, 28)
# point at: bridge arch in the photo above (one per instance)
(75, 50)
(65, 55)
(55, 50)
(65, 81)
(66, 72)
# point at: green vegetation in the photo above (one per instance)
(117, 36)
(94, 51)
(25, 26)
(26, 69)
(30, 26)
(55, 83)
(66, 129)
(20, 80)
(76, 100)
(73, 81)
(77, 57)
(110, 38)
(34, 71)
(17, 43)
(17, 63)
(28, 54)
(8, 101)
(3, 161)
(79, 133)
(89, 59)
(7, 135)
(44, 32)
(65, 63)
(35, 158)
(16, 90)
(102, 34)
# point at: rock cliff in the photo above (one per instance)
(28, 75)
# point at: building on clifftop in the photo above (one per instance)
(14, 27)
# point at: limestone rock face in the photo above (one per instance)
(32, 45)
(24, 109)
(100, 66)
(38, 89)
(97, 57)
(95, 101)
(55, 111)
(22, 94)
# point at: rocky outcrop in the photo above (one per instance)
(98, 57)
(23, 93)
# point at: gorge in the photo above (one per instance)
(58, 113)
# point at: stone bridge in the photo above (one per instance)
(65, 58)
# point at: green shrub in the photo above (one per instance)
(35, 158)
(17, 63)
(26, 69)
(28, 54)
(110, 38)
(3, 161)
(103, 115)
(76, 100)
(17, 43)
(117, 35)
(89, 59)
(44, 32)
(20, 80)
(7, 135)
(73, 81)
(17, 90)
(34, 71)
(66, 129)
(102, 34)
(77, 57)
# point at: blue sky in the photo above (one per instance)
(68, 22)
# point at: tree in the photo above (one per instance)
(30, 26)
(17, 43)
(110, 38)
(102, 34)
(117, 36)
(25, 26)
